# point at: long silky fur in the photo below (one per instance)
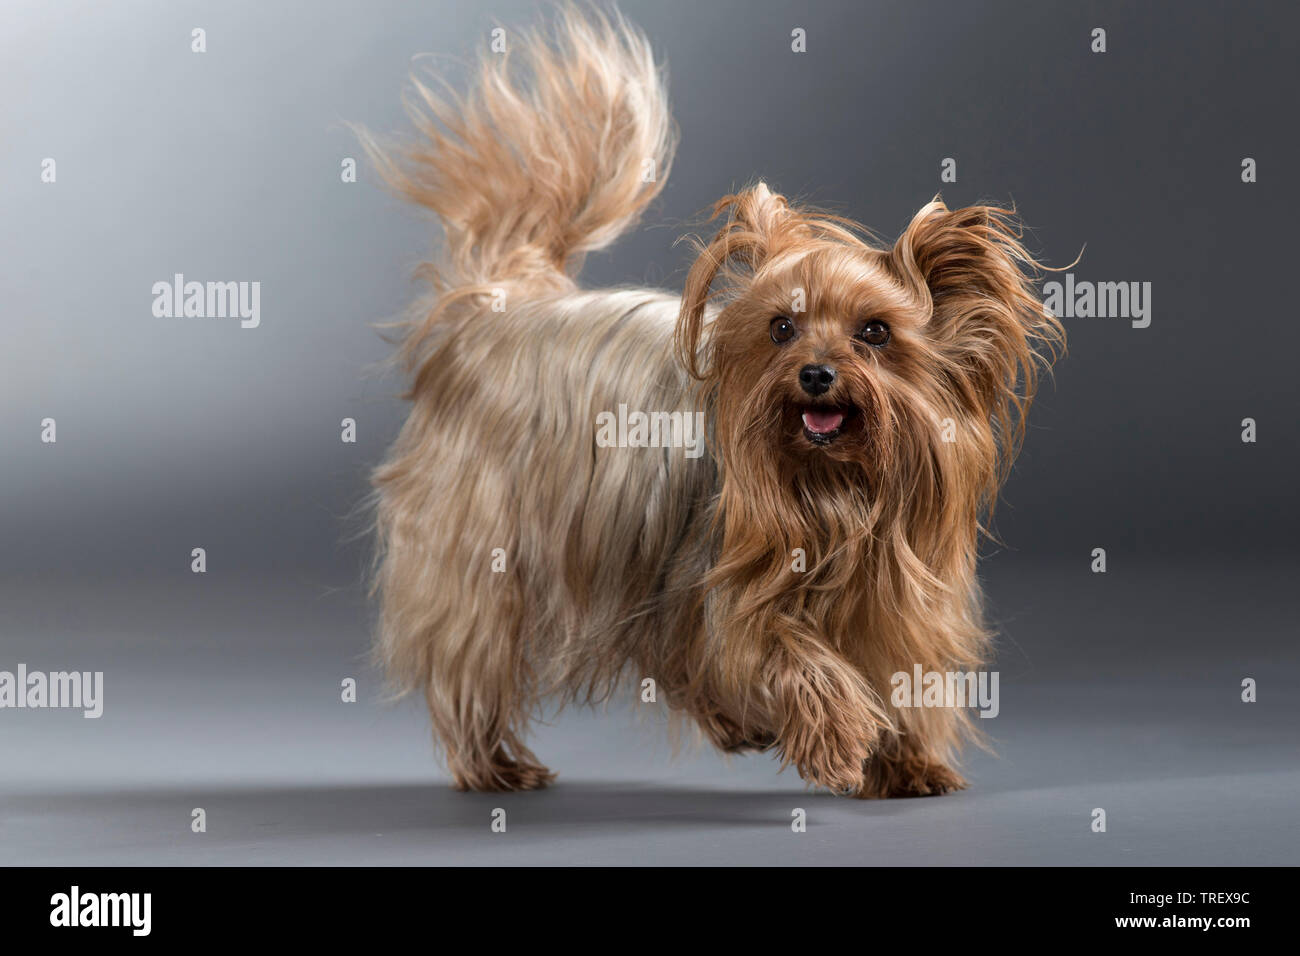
(642, 562)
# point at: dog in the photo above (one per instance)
(861, 405)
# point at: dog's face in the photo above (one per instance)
(904, 371)
(816, 349)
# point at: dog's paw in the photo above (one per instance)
(730, 737)
(832, 755)
(505, 776)
(909, 777)
(525, 776)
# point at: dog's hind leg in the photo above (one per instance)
(484, 750)
(452, 622)
(479, 698)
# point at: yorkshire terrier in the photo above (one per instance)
(861, 405)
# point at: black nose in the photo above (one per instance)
(816, 379)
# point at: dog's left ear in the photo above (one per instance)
(987, 319)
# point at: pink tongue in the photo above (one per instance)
(821, 422)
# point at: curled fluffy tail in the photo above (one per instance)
(558, 145)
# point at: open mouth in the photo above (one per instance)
(822, 424)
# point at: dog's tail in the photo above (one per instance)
(559, 144)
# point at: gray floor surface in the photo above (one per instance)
(1119, 691)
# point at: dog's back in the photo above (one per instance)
(517, 555)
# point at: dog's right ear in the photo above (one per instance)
(754, 217)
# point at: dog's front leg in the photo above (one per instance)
(903, 766)
(730, 736)
(828, 717)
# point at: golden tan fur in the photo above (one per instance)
(640, 562)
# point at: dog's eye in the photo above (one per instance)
(875, 333)
(781, 329)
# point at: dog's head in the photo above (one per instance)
(898, 377)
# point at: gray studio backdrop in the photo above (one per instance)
(226, 166)
(177, 433)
